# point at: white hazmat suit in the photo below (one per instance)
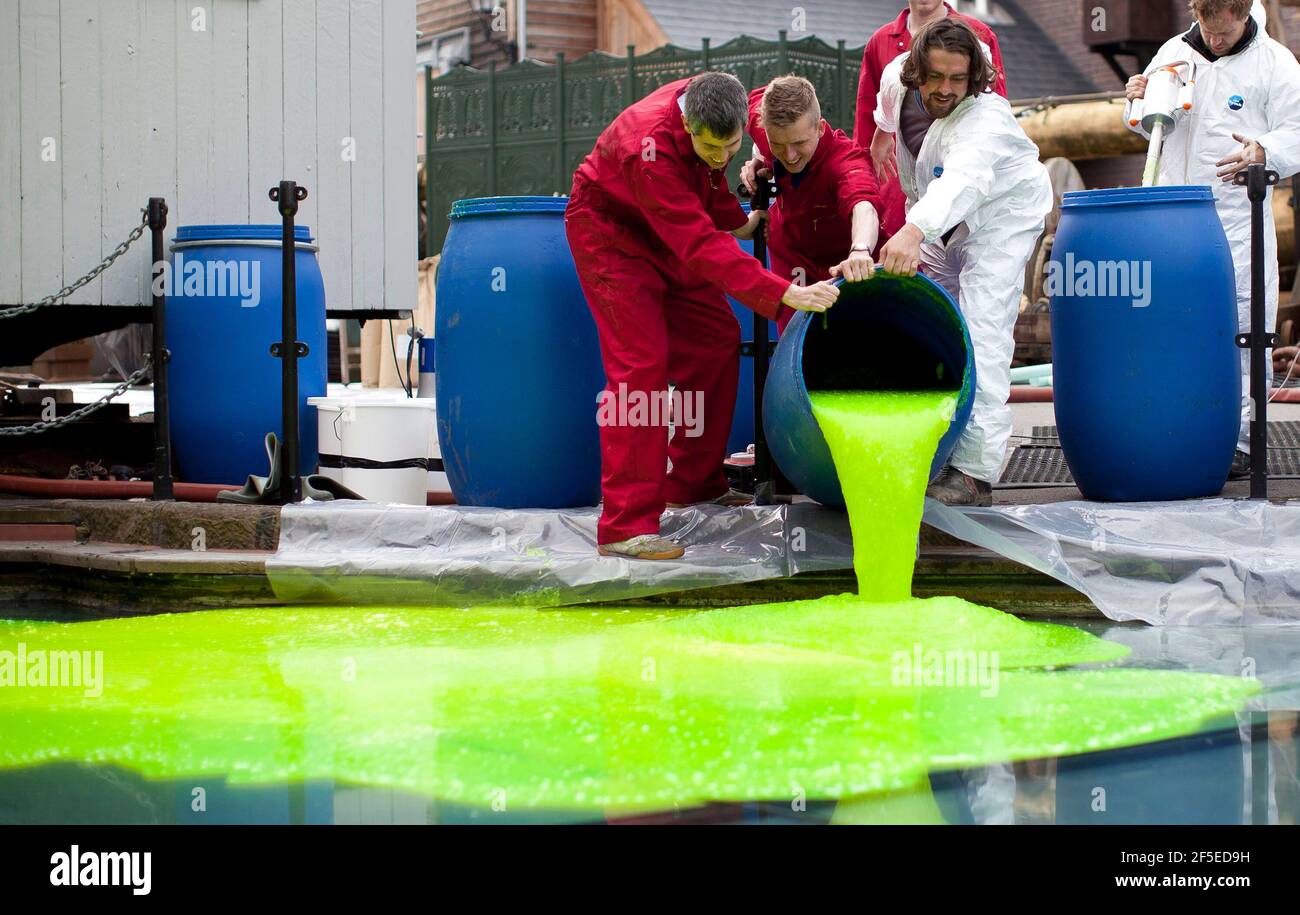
(1254, 93)
(976, 171)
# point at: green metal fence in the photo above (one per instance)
(525, 129)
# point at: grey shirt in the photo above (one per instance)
(914, 122)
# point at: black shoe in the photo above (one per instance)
(1240, 466)
(952, 487)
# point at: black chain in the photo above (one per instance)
(78, 413)
(70, 289)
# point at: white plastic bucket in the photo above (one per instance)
(387, 432)
(328, 442)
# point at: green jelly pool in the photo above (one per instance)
(855, 706)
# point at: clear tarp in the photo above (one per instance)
(1270, 655)
(363, 553)
(1206, 562)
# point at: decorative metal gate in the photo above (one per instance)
(525, 129)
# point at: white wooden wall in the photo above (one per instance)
(139, 102)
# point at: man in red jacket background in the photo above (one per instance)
(825, 220)
(652, 226)
(889, 41)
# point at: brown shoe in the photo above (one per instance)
(952, 487)
(729, 499)
(1240, 469)
(644, 546)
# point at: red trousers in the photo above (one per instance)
(658, 323)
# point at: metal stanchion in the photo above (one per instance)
(1257, 180)
(289, 349)
(162, 456)
(760, 349)
(763, 483)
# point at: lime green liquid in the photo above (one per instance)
(883, 443)
(601, 711)
(604, 711)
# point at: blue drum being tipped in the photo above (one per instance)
(889, 333)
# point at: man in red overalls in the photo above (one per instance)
(651, 223)
(825, 220)
(891, 40)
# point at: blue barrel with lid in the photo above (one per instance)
(223, 313)
(1146, 370)
(519, 365)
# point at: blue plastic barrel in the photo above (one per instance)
(1145, 367)
(742, 421)
(223, 314)
(519, 364)
(889, 333)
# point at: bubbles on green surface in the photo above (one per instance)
(588, 709)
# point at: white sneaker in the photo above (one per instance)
(644, 546)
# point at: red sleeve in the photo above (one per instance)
(725, 209)
(754, 127)
(1000, 87)
(856, 181)
(674, 213)
(990, 38)
(864, 121)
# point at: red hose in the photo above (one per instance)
(104, 489)
(1023, 393)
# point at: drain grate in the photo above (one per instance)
(1042, 463)
(1280, 435)
(1036, 465)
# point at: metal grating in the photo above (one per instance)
(1042, 463)
(1280, 435)
(1036, 465)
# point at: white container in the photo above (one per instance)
(390, 433)
(328, 442)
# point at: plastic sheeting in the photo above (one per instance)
(362, 553)
(1270, 655)
(1208, 562)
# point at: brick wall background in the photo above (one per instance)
(1063, 21)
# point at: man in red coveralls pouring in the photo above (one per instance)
(652, 226)
(825, 220)
(889, 41)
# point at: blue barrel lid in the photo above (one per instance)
(488, 206)
(264, 232)
(1129, 196)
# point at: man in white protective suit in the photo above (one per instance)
(977, 197)
(1245, 109)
